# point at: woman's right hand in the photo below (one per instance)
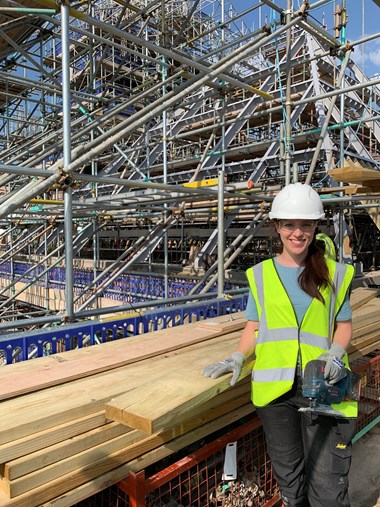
(233, 364)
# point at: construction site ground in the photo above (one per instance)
(364, 473)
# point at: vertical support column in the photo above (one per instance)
(66, 114)
(12, 269)
(7, 117)
(221, 232)
(295, 172)
(221, 173)
(46, 196)
(342, 225)
(164, 148)
(94, 164)
(46, 267)
(288, 103)
(134, 486)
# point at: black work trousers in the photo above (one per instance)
(311, 455)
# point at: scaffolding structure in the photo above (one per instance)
(152, 131)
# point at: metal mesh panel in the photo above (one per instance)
(202, 484)
(110, 497)
(197, 480)
(369, 404)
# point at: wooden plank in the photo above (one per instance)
(116, 465)
(138, 443)
(362, 295)
(126, 447)
(365, 341)
(360, 332)
(188, 363)
(366, 314)
(171, 397)
(43, 439)
(59, 452)
(188, 438)
(225, 323)
(72, 365)
(47, 408)
(369, 343)
(52, 370)
(242, 388)
(373, 189)
(356, 189)
(83, 459)
(233, 397)
(371, 319)
(98, 484)
(364, 351)
(355, 174)
(136, 410)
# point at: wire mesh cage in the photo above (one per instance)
(197, 480)
(369, 405)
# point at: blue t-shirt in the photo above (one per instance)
(300, 300)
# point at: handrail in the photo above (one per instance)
(26, 345)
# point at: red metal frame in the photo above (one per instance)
(369, 406)
(200, 455)
(138, 487)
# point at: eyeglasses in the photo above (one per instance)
(303, 226)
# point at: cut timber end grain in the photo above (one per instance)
(156, 405)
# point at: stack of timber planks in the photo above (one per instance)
(75, 423)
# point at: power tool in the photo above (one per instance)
(322, 394)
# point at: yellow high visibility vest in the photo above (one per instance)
(280, 339)
(330, 251)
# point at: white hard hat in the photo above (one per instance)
(297, 201)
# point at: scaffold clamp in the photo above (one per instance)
(65, 181)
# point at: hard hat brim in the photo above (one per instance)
(295, 216)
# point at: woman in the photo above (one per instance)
(298, 310)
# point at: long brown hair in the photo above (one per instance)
(315, 276)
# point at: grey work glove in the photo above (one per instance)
(233, 364)
(335, 369)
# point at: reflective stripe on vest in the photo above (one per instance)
(280, 338)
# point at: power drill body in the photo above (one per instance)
(322, 394)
